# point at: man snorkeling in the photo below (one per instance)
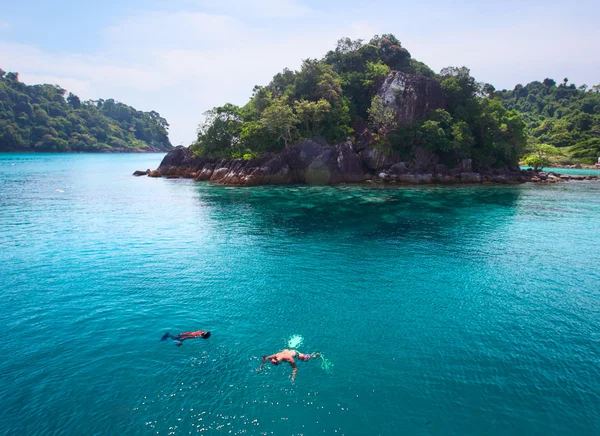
(288, 356)
(185, 335)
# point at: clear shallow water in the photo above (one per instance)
(472, 310)
(572, 171)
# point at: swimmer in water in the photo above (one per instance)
(288, 356)
(185, 335)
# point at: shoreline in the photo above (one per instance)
(568, 167)
(309, 163)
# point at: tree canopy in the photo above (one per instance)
(563, 115)
(40, 118)
(335, 97)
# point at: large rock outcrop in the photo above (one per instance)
(307, 162)
(411, 95)
(312, 163)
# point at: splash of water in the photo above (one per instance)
(326, 365)
(295, 341)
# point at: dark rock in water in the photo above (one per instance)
(205, 173)
(411, 179)
(398, 168)
(339, 164)
(411, 95)
(348, 166)
(363, 140)
(424, 160)
(319, 171)
(445, 179)
(300, 156)
(140, 173)
(441, 169)
(466, 165)
(219, 174)
(317, 164)
(179, 157)
(470, 177)
(375, 159)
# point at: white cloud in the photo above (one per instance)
(271, 8)
(252, 8)
(95, 69)
(172, 29)
(522, 53)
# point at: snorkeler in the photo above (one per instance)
(185, 335)
(288, 356)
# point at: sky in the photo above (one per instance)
(183, 57)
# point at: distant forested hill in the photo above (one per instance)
(564, 116)
(39, 118)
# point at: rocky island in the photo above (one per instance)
(365, 113)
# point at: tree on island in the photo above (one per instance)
(335, 98)
(40, 118)
(565, 116)
(539, 156)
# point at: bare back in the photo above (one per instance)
(286, 356)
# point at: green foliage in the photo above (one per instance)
(362, 66)
(588, 151)
(474, 125)
(536, 162)
(312, 113)
(422, 69)
(219, 135)
(294, 106)
(374, 73)
(328, 97)
(382, 117)
(279, 118)
(435, 132)
(39, 118)
(565, 116)
(539, 155)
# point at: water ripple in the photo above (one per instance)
(468, 310)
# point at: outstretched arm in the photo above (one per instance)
(295, 370)
(264, 359)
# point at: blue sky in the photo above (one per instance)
(182, 57)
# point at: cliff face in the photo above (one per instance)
(411, 95)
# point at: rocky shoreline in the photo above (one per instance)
(316, 164)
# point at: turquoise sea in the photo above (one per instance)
(445, 310)
(572, 171)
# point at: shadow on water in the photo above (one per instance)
(358, 211)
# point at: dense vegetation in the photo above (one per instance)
(334, 98)
(564, 116)
(39, 118)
